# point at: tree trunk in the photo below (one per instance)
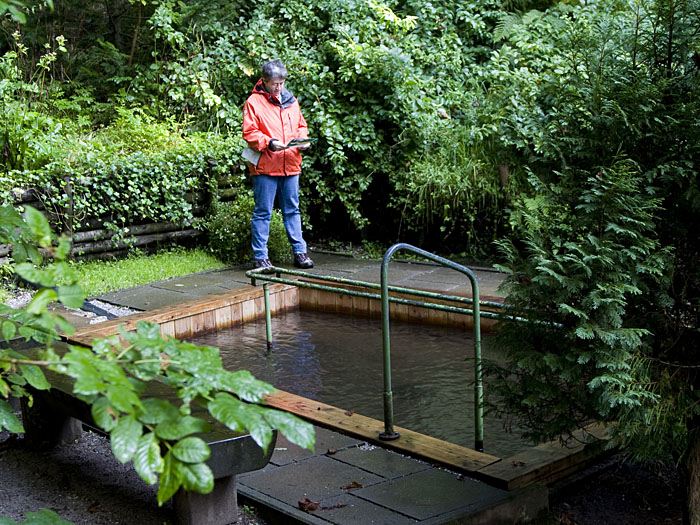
(692, 475)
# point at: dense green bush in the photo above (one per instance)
(229, 232)
(132, 171)
(451, 195)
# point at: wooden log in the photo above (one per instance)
(140, 229)
(27, 195)
(228, 194)
(101, 246)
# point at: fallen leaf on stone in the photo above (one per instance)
(518, 463)
(353, 485)
(307, 505)
(331, 451)
(349, 412)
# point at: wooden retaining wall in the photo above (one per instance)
(338, 302)
(200, 315)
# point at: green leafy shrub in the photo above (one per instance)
(157, 435)
(230, 235)
(135, 170)
(450, 193)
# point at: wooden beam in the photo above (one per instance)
(547, 462)
(410, 443)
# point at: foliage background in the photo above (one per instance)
(381, 84)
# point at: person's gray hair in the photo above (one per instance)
(274, 69)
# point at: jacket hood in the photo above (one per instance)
(287, 97)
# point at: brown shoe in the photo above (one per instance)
(301, 260)
(264, 265)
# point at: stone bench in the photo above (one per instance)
(57, 416)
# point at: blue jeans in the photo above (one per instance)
(265, 187)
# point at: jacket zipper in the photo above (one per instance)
(284, 138)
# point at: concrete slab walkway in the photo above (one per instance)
(346, 481)
(406, 274)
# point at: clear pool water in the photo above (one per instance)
(337, 360)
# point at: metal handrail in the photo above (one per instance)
(389, 432)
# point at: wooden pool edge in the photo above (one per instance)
(542, 464)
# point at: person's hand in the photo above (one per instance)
(275, 145)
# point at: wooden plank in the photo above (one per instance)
(197, 325)
(547, 462)
(223, 317)
(411, 443)
(326, 301)
(259, 307)
(111, 327)
(209, 318)
(280, 301)
(360, 305)
(237, 313)
(274, 304)
(247, 311)
(183, 327)
(177, 311)
(399, 311)
(168, 329)
(292, 298)
(344, 304)
(375, 308)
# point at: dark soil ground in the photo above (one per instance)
(85, 484)
(619, 492)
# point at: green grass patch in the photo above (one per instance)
(98, 277)
(5, 295)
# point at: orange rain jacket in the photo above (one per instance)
(266, 118)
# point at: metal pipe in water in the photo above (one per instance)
(389, 432)
(268, 316)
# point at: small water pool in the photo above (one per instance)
(337, 360)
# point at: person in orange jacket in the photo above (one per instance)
(271, 118)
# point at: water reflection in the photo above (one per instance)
(338, 360)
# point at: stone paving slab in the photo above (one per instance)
(193, 292)
(316, 478)
(443, 275)
(326, 442)
(144, 297)
(351, 510)
(195, 281)
(432, 492)
(380, 461)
